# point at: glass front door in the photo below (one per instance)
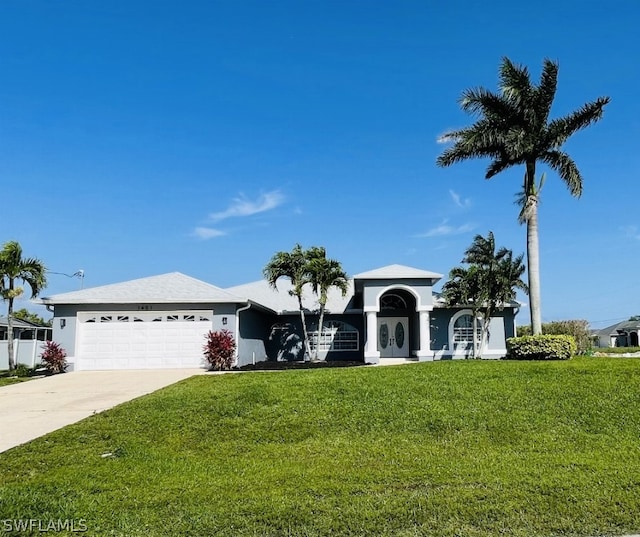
(393, 337)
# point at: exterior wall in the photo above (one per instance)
(252, 335)
(501, 327)
(291, 340)
(372, 289)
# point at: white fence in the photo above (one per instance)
(25, 351)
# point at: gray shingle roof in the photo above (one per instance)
(613, 329)
(397, 272)
(19, 323)
(173, 287)
(280, 300)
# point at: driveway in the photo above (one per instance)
(37, 407)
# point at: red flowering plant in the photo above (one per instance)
(54, 357)
(220, 349)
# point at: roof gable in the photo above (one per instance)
(173, 287)
(397, 272)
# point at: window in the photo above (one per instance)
(336, 336)
(392, 301)
(463, 329)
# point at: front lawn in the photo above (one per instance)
(465, 448)
(6, 378)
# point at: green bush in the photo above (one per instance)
(23, 370)
(578, 328)
(544, 347)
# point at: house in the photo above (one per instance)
(391, 313)
(27, 342)
(624, 334)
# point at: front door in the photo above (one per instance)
(393, 337)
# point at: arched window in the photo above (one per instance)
(392, 301)
(461, 329)
(336, 336)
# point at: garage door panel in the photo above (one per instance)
(141, 340)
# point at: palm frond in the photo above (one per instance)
(566, 168)
(560, 130)
(546, 90)
(515, 82)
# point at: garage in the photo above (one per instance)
(141, 340)
(158, 322)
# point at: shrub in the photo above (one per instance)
(544, 347)
(22, 370)
(578, 328)
(219, 350)
(54, 357)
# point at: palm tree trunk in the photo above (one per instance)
(475, 335)
(485, 331)
(533, 256)
(320, 324)
(12, 363)
(305, 335)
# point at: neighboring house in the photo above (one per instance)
(28, 339)
(162, 321)
(624, 334)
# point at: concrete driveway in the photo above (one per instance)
(37, 407)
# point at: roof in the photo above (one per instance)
(19, 323)
(397, 272)
(614, 328)
(173, 287)
(280, 300)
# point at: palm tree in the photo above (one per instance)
(489, 283)
(323, 275)
(14, 267)
(513, 128)
(293, 265)
(465, 287)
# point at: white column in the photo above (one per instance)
(371, 352)
(425, 353)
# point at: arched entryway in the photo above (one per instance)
(397, 322)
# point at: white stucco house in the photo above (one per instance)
(390, 313)
(623, 334)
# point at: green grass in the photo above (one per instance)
(6, 379)
(469, 448)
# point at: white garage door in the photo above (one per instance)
(141, 340)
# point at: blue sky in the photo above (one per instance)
(138, 138)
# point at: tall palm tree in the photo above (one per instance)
(14, 267)
(293, 265)
(323, 275)
(513, 128)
